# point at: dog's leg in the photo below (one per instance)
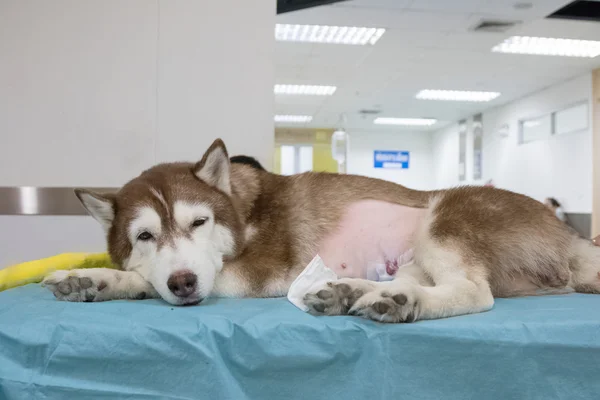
(98, 284)
(458, 290)
(402, 301)
(585, 267)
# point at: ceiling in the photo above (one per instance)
(428, 45)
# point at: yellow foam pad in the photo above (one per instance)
(36, 271)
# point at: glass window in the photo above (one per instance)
(296, 159)
(571, 119)
(535, 129)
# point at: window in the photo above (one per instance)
(296, 159)
(571, 119)
(535, 129)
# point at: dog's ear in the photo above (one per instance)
(214, 167)
(100, 206)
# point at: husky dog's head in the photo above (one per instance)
(173, 224)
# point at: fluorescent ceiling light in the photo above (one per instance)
(298, 119)
(456, 95)
(328, 34)
(544, 46)
(405, 121)
(309, 90)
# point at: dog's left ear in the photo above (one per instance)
(214, 167)
(99, 206)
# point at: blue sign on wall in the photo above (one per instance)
(391, 159)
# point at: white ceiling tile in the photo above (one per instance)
(377, 17)
(387, 4)
(447, 6)
(330, 54)
(471, 41)
(287, 49)
(560, 28)
(297, 109)
(419, 21)
(292, 101)
(331, 75)
(397, 40)
(288, 73)
(539, 9)
(342, 16)
(589, 30)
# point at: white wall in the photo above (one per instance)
(92, 92)
(31, 238)
(560, 166)
(419, 175)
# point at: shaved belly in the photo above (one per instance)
(371, 233)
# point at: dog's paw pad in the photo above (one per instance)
(70, 286)
(388, 307)
(333, 299)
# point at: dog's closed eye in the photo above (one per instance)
(199, 222)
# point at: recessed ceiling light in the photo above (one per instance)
(308, 90)
(456, 95)
(405, 121)
(328, 34)
(544, 46)
(297, 119)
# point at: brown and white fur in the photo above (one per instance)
(185, 231)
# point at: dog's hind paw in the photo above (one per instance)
(387, 305)
(336, 298)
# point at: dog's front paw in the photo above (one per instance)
(390, 305)
(335, 298)
(76, 285)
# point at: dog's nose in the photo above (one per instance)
(182, 283)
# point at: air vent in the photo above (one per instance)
(579, 10)
(369, 112)
(284, 6)
(494, 26)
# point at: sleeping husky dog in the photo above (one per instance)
(184, 231)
